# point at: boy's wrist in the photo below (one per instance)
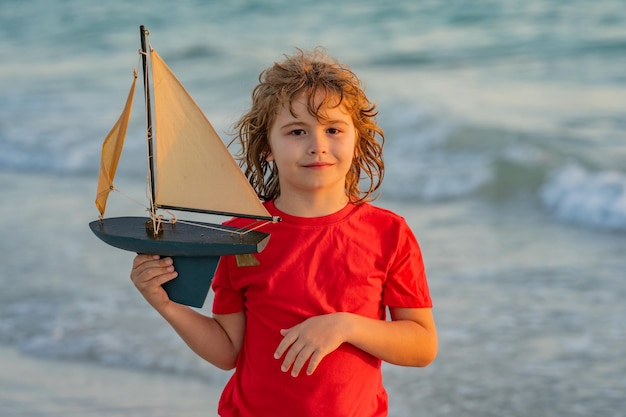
(347, 325)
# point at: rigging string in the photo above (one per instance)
(134, 200)
(157, 220)
(259, 224)
(239, 232)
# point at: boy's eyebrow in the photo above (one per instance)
(299, 123)
(293, 123)
(334, 122)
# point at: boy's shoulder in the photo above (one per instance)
(380, 216)
(374, 210)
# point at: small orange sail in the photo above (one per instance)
(112, 150)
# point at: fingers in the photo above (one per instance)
(287, 341)
(297, 353)
(152, 270)
(310, 342)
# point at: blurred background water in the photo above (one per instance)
(505, 150)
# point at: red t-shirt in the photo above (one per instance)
(357, 260)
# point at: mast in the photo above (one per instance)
(146, 85)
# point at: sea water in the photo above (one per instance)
(505, 149)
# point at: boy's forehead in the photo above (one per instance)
(321, 104)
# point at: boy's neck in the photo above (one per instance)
(310, 205)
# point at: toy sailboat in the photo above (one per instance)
(190, 169)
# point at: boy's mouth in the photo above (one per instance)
(317, 165)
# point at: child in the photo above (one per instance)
(305, 329)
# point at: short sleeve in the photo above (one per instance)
(406, 284)
(227, 300)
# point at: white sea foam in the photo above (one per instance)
(596, 199)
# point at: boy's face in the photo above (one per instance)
(312, 156)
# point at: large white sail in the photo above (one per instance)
(194, 169)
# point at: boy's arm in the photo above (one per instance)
(216, 339)
(410, 339)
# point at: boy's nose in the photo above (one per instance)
(318, 144)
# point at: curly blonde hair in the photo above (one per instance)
(309, 73)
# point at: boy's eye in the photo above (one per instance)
(297, 132)
(333, 130)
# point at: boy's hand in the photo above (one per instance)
(148, 274)
(311, 341)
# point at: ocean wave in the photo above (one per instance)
(596, 199)
(115, 329)
(462, 162)
(436, 159)
(499, 53)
